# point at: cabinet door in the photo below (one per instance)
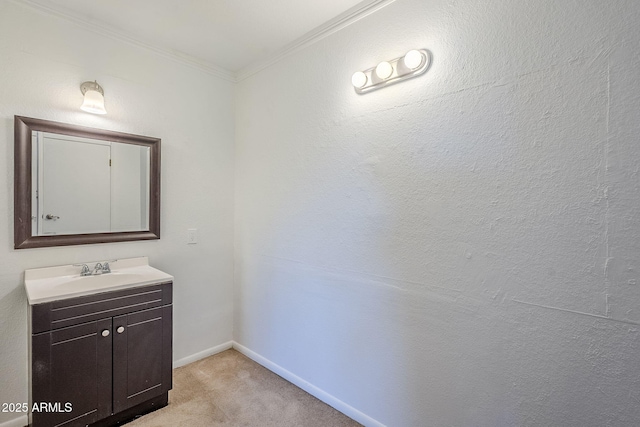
(141, 356)
(71, 375)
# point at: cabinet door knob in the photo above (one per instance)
(120, 329)
(105, 333)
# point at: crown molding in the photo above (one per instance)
(115, 34)
(341, 21)
(336, 24)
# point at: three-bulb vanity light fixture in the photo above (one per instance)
(412, 64)
(93, 98)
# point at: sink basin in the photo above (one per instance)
(108, 279)
(57, 283)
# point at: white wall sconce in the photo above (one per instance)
(93, 98)
(412, 64)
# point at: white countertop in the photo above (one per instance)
(62, 282)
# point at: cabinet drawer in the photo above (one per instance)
(74, 311)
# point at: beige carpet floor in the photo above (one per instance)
(229, 389)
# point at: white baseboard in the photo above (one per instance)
(197, 356)
(21, 421)
(292, 378)
(309, 388)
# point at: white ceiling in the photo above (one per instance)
(231, 34)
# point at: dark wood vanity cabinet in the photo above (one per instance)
(101, 359)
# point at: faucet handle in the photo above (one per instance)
(85, 269)
(106, 268)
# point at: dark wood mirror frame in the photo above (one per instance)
(23, 239)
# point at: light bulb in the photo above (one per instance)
(413, 59)
(359, 79)
(384, 70)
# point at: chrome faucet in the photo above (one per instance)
(103, 267)
(98, 269)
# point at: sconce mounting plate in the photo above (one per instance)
(84, 87)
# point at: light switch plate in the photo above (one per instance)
(192, 236)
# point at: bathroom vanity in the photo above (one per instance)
(100, 343)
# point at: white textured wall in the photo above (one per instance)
(462, 249)
(43, 60)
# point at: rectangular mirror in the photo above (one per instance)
(77, 185)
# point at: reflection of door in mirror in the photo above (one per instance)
(129, 187)
(88, 186)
